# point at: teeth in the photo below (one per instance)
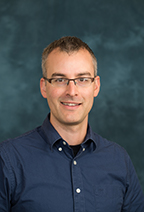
(70, 104)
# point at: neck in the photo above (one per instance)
(72, 134)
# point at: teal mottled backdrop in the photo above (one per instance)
(115, 32)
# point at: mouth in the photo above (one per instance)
(70, 104)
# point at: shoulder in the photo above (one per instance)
(21, 150)
(110, 149)
(23, 140)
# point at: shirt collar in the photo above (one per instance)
(90, 137)
(52, 136)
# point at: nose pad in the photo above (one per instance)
(71, 80)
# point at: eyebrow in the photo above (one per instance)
(85, 73)
(58, 75)
(63, 75)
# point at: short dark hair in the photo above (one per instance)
(68, 44)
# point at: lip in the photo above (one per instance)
(71, 105)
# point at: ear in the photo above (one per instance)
(43, 88)
(96, 86)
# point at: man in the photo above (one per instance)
(62, 165)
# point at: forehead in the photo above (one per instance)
(73, 63)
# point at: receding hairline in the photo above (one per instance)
(58, 49)
(68, 44)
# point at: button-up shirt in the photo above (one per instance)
(39, 173)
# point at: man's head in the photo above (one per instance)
(67, 44)
(69, 83)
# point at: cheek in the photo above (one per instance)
(88, 94)
(89, 99)
(53, 94)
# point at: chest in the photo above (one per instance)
(53, 181)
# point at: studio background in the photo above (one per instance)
(115, 32)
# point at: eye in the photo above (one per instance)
(83, 79)
(59, 80)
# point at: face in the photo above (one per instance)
(69, 105)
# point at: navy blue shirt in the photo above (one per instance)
(39, 173)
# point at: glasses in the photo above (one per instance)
(63, 82)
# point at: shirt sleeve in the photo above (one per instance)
(134, 198)
(5, 186)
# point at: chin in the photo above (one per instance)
(72, 122)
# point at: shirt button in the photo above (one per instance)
(64, 143)
(60, 149)
(78, 190)
(83, 149)
(75, 163)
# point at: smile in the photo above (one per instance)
(70, 104)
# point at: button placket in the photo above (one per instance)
(77, 187)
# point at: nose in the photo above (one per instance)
(71, 88)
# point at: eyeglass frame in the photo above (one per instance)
(50, 79)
